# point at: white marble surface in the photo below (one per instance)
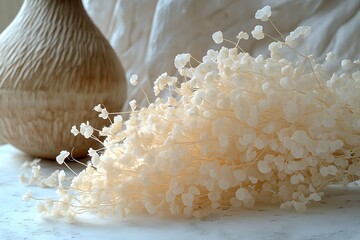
(336, 217)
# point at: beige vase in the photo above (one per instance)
(55, 66)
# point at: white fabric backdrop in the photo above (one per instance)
(148, 34)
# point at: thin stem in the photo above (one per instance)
(195, 59)
(70, 169)
(236, 44)
(96, 139)
(73, 159)
(275, 39)
(147, 99)
(127, 112)
(282, 36)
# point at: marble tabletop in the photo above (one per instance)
(336, 217)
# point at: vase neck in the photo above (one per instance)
(68, 14)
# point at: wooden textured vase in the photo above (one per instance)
(55, 66)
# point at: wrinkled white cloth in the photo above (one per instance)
(148, 34)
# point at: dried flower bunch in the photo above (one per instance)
(236, 131)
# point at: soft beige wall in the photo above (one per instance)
(8, 10)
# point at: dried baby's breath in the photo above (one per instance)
(234, 131)
(257, 33)
(134, 79)
(242, 35)
(218, 37)
(61, 157)
(263, 14)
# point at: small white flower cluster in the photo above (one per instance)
(62, 156)
(263, 14)
(85, 129)
(242, 35)
(181, 60)
(299, 33)
(241, 129)
(31, 174)
(218, 37)
(164, 80)
(134, 79)
(258, 33)
(104, 114)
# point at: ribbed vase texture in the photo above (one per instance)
(55, 66)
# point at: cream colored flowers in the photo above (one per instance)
(257, 33)
(181, 60)
(234, 130)
(134, 79)
(264, 13)
(242, 35)
(218, 37)
(62, 156)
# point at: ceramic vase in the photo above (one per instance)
(55, 66)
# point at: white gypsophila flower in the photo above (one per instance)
(118, 119)
(61, 178)
(62, 156)
(30, 174)
(211, 56)
(290, 41)
(301, 31)
(346, 64)
(116, 127)
(257, 33)
(104, 113)
(218, 37)
(181, 60)
(275, 47)
(95, 159)
(134, 79)
(27, 196)
(132, 104)
(242, 35)
(74, 130)
(98, 108)
(50, 181)
(86, 130)
(162, 81)
(105, 131)
(36, 171)
(41, 208)
(92, 152)
(330, 57)
(263, 14)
